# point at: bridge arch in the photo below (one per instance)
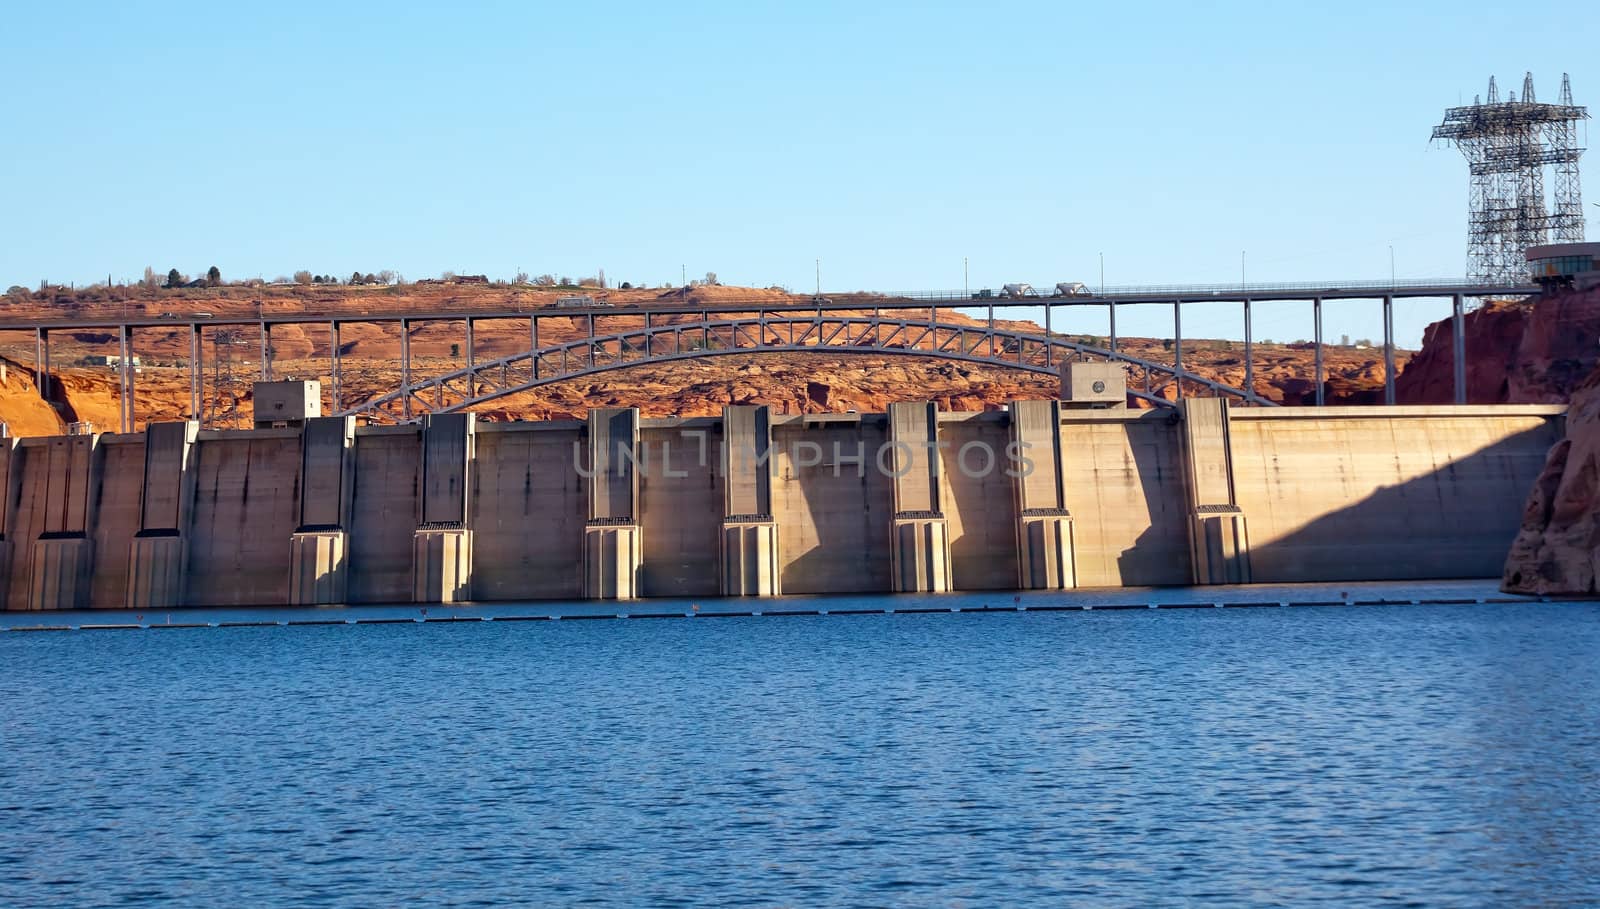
(482, 382)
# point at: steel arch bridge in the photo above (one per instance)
(480, 383)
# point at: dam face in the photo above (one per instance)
(757, 504)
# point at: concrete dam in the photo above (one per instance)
(1039, 496)
(752, 503)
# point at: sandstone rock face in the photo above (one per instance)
(1558, 547)
(1516, 353)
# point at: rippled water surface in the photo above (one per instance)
(1432, 755)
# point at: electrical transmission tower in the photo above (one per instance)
(225, 385)
(1508, 144)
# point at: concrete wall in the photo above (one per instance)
(120, 501)
(1129, 498)
(980, 510)
(833, 509)
(383, 513)
(528, 508)
(1355, 493)
(246, 485)
(680, 508)
(1124, 486)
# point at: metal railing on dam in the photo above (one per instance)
(212, 336)
(751, 503)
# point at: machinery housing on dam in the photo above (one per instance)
(1078, 492)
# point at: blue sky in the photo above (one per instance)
(887, 140)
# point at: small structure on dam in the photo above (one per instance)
(286, 403)
(1043, 495)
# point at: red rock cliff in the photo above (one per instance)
(1544, 352)
(1517, 353)
(1556, 550)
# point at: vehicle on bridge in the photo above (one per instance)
(985, 294)
(579, 300)
(1017, 291)
(1071, 289)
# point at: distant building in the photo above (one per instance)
(1564, 265)
(457, 279)
(112, 362)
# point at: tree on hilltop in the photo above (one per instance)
(213, 276)
(355, 278)
(302, 277)
(174, 279)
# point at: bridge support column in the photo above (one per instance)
(62, 559)
(613, 540)
(441, 547)
(1219, 543)
(158, 555)
(749, 548)
(919, 542)
(1045, 555)
(318, 564)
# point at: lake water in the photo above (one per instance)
(1424, 755)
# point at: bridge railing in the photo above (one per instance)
(1376, 286)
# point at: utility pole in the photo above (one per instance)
(1241, 270)
(819, 277)
(966, 285)
(1391, 266)
(1102, 274)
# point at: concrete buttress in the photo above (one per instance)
(613, 552)
(1045, 557)
(441, 547)
(319, 571)
(63, 553)
(1219, 543)
(749, 551)
(8, 499)
(158, 556)
(919, 544)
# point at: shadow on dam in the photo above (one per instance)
(1455, 521)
